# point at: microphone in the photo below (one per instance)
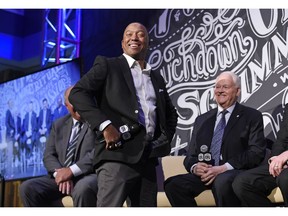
(205, 156)
(127, 131)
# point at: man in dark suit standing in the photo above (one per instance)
(13, 132)
(253, 186)
(133, 117)
(78, 180)
(242, 147)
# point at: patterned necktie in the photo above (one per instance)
(217, 138)
(72, 145)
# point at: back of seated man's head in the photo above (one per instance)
(69, 106)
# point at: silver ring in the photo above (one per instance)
(118, 144)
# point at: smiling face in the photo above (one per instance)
(135, 41)
(226, 91)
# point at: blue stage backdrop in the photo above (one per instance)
(23, 138)
(191, 47)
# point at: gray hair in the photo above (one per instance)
(234, 77)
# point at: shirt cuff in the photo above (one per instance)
(229, 167)
(191, 170)
(104, 125)
(75, 170)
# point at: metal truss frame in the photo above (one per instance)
(62, 29)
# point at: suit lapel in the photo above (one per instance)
(66, 130)
(127, 74)
(160, 99)
(205, 130)
(235, 116)
(209, 127)
(154, 83)
(80, 138)
(126, 71)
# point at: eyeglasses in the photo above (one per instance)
(224, 87)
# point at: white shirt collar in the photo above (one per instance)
(229, 109)
(131, 61)
(74, 121)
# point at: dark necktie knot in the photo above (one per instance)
(224, 112)
(78, 124)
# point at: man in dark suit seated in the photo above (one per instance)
(44, 119)
(60, 110)
(29, 133)
(253, 186)
(225, 141)
(68, 158)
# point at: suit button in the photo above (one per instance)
(136, 111)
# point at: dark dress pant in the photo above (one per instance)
(181, 190)
(44, 192)
(118, 182)
(253, 186)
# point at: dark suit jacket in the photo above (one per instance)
(111, 83)
(281, 143)
(33, 122)
(18, 126)
(48, 119)
(57, 114)
(25, 127)
(9, 123)
(243, 144)
(56, 146)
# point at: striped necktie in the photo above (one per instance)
(72, 145)
(217, 138)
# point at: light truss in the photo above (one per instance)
(62, 29)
